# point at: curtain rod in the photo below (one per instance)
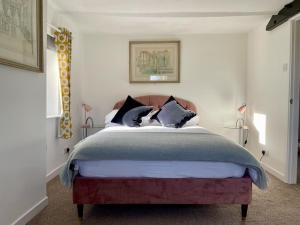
(54, 27)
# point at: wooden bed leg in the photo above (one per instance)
(80, 210)
(244, 211)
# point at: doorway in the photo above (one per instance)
(293, 165)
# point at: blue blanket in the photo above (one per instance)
(160, 146)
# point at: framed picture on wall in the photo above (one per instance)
(154, 61)
(21, 34)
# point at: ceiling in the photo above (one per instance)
(168, 16)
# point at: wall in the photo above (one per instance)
(268, 94)
(213, 69)
(55, 146)
(22, 144)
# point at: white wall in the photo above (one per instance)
(22, 143)
(268, 93)
(55, 146)
(213, 70)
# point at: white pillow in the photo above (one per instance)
(192, 122)
(110, 116)
(146, 121)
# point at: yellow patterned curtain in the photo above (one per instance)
(63, 42)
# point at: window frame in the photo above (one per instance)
(51, 47)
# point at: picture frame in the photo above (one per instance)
(21, 34)
(154, 61)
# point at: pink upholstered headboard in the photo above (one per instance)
(157, 101)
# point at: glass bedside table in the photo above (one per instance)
(88, 130)
(243, 133)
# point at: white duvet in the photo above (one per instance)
(188, 129)
(158, 169)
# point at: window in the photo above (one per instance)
(54, 103)
(259, 121)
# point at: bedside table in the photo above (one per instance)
(243, 133)
(88, 130)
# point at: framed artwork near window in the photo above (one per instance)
(21, 34)
(154, 61)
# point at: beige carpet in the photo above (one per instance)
(279, 205)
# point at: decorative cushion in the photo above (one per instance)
(146, 120)
(129, 104)
(133, 117)
(171, 98)
(174, 115)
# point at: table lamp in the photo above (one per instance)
(87, 108)
(241, 121)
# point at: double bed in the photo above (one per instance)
(160, 165)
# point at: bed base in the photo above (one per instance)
(162, 191)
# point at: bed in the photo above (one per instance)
(141, 177)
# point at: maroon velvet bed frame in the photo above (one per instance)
(87, 190)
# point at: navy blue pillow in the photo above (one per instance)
(129, 104)
(174, 115)
(133, 117)
(154, 116)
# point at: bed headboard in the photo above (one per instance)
(157, 101)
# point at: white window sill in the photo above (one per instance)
(54, 117)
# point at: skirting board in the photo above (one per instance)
(32, 212)
(54, 173)
(274, 172)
